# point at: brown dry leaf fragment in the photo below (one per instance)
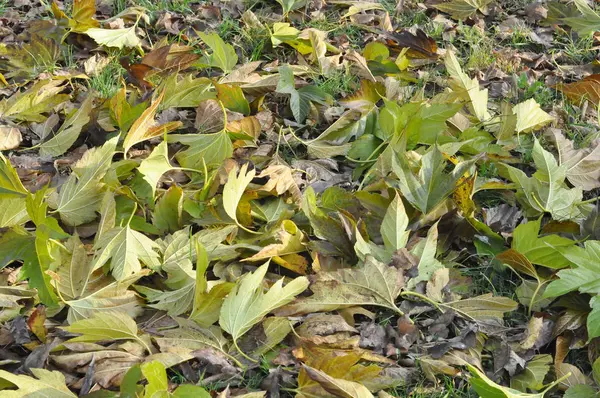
(583, 165)
(419, 45)
(281, 180)
(587, 89)
(145, 127)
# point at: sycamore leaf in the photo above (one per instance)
(467, 89)
(247, 304)
(30, 105)
(483, 307)
(586, 89)
(26, 60)
(234, 189)
(232, 98)
(207, 302)
(586, 23)
(487, 388)
(393, 227)
(338, 387)
(126, 249)
(80, 196)
(530, 116)
(428, 264)
(546, 190)
(584, 274)
(463, 9)
(10, 184)
(145, 128)
(583, 165)
(68, 133)
(208, 150)
(432, 184)
(102, 293)
(292, 241)
(45, 384)
(533, 375)
(106, 325)
(546, 250)
(168, 210)
(374, 283)
(185, 93)
(155, 165)
(300, 99)
(158, 384)
(83, 16)
(74, 271)
(119, 38)
(223, 55)
(281, 180)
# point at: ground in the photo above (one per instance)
(299, 198)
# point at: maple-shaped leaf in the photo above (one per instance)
(208, 150)
(247, 304)
(158, 383)
(482, 307)
(145, 128)
(583, 164)
(106, 325)
(466, 88)
(546, 190)
(79, 197)
(119, 38)
(223, 54)
(185, 92)
(31, 105)
(232, 97)
(300, 99)
(45, 384)
(126, 249)
(463, 9)
(530, 116)
(155, 165)
(82, 19)
(68, 133)
(28, 60)
(10, 184)
(373, 283)
(432, 184)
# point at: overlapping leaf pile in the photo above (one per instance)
(218, 220)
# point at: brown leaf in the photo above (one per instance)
(419, 45)
(36, 323)
(587, 89)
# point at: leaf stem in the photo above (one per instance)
(422, 297)
(235, 344)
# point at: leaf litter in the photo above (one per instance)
(295, 198)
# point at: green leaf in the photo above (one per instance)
(581, 391)
(126, 249)
(487, 388)
(30, 105)
(185, 93)
(483, 307)
(156, 374)
(546, 190)
(547, 250)
(247, 304)
(223, 55)
(374, 283)
(467, 89)
(586, 23)
(533, 375)
(10, 184)
(428, 264)
(432, 184)
(80, 196)
(68, 133)
(234, 189)
(155, 165)
(207, 302)
(463, 9)
(119, 38)
(232, 98)
(168, 210)
(300, 99)
(45, 384)
(204, 149)
(593, 319)
(107, 325)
